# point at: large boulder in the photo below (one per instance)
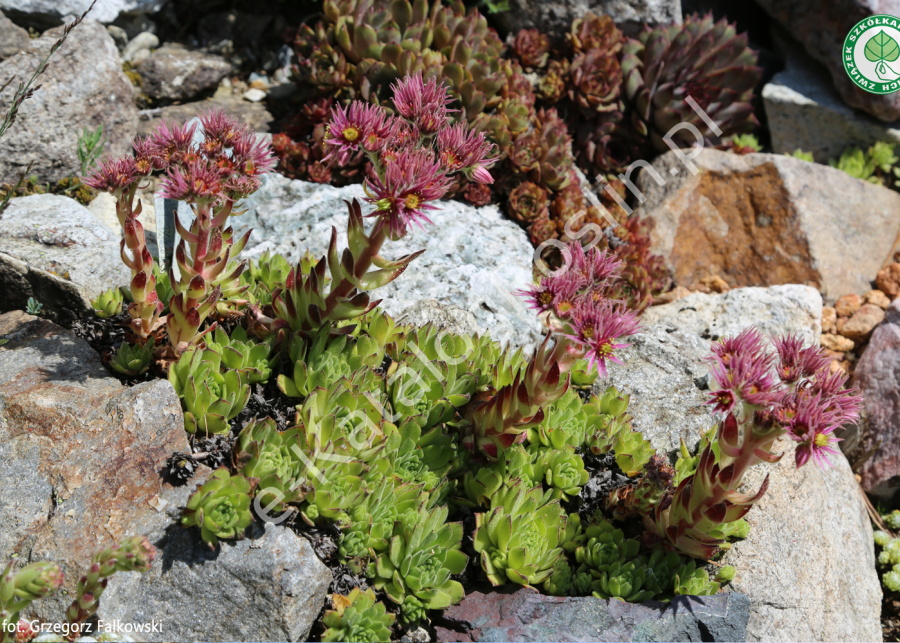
(83, 86)
(13, 38)
(554, 17)
(776, 311)
(81, 457)
(53, 249)
(174, 73)
(474, 258)
(808, 564)
(877, 375)
(255, 115)
(804, 111)
(822, 27)
(53, 12)
(768, 219)
(525, 615)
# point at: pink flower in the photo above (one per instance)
(252, 155)
(197, 182)
(359, 126)
(219, 127)
(817, 447)
(174, 143)
(423, 103)
(113, 175)
(410, 182)
(464, 150)
(795, 361)
(540, 298)
(599, 268)
(599, 327)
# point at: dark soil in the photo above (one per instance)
(890, 615)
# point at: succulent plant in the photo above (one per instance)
(561, 581)
(881, 538)
(624, 581)
(593, 32)
(210, 397)
(108, 303)
(272, 456)
(700, 59)
(527, 202)
(744, 144)
(607, 418)
(133, 359)
(640, 498)
(423, 554)
(543, 229)
(358, 618)
(552, 85)
(632, 452)
(220, 507)
(431, 389)
(532, 48)
(239, 353)
(892, 519)
(594, 81)
(519, 539)
(562, 470)
(513, 464)
(694, 581)
(604, 546)
(372, 521)
(18, 589)
(564, 423)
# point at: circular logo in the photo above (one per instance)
(872, 54)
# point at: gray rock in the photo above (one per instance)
(452, 319)
(143, 41)
(84, 86)
(53, 249)
(136, 23)
(821, 28)
(555, 17)
(776, 311)
(668, 382)
(804, 111)
(80, 456)
(525, 615)
(13, 38)
(767, 219)
(53, 12)
(253, 114)
(270, 587)
(795, 595)
(173, 73)
(877, 375)
(474, 258)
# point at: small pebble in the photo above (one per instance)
(888, 281)
(716, 284)
(678, 292)
(847, 305)
(254, 95)
(837, 343)
(860, 326)
(829, 320)
(877, 298)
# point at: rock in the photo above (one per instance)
(805, 111)
(253, 114)
(53, 249)
(54, 12)
(173, 73)
(678, 292)
(474, 258)
(668, 382)
(141, 42)
(877, 375)
(846, 305)
(234, 26)
(888, 281)
(525, 615)
(135, 24)
(862, 323)
(80, 456)
(84, 86)
(775, 311)
(254, 95)
(837, 343)
(270, 587)
(834, 595)
(555, 16)
(13, 38)
(829, 319)
(119, 36)
(766, 219)
(821, 28)
(416, 635)
(877, 298)
(452, 319)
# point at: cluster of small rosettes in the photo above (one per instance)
(224, 163)
(790, 390)
(413, 152)
(578, 295)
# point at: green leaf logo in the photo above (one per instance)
(882, 47)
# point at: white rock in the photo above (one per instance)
(776, 311)
(474, 258)
(254, 95)
(142, 41)
(56, 10)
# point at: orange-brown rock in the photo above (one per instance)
(877, 298)
(860, 326)
(888, 280)
(847, 305)
(837, 343)
(829, 319)
(764, 219)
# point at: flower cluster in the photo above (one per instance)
(209, 168)
(413, 153)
